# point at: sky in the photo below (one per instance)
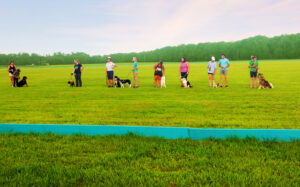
(99, 27)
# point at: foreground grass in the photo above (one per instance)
(54, 160)
(49, 100)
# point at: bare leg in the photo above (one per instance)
(255, 82)
(221, 80)
(226, 80)
(251, 82)
(209, 79)
(213, 79)
(11, 81)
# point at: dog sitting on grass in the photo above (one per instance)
(186, 83)
(23, 82)
(263, 83)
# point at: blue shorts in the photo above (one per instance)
(253, 74)
(184, 75)
(110, 75)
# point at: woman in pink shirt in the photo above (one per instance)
(184, 69)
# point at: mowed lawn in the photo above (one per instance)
(49, 100)
(52, 160)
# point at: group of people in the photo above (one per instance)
(14, 76)
(159, 72)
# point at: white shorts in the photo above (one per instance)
(10, 74)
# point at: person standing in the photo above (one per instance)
(212, 67)
(253, 66)
(184, 70)
(158, 73)
(135, 72)
(11, 70)
(110, 72)
(224, 65)
(78, 68)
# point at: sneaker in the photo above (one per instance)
(226, 86)
(221, 86)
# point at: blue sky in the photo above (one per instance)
(104, 27)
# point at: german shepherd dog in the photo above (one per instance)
(263, 83)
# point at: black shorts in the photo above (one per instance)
(253, 74)
(110, 75)
(184, 75)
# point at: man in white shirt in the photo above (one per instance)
(110, 72)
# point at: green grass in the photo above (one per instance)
(49, 100)
(52, 160)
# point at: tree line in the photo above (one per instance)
(278, 47)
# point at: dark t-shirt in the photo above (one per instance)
(158, 70)
(77, 68)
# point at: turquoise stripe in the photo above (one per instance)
(287, 135)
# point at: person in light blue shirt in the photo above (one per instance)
(224, 65)
(135, 72)
(212, 67)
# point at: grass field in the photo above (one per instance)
(49, 100)
(52, 160)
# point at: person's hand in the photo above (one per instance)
(209, 68)
(72, 73)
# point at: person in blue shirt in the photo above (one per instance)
(135, 72)
(224, 65)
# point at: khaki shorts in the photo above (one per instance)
(223, 72)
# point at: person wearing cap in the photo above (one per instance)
(158, 73)
(212, 67)
(224, 65)
(253, 66)
(78, 68)
(109, 70)
(135, 72)
(184, 69)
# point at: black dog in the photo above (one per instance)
(119, 83)
(23, 82)
(189, 84)
(71, 83)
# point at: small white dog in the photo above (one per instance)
(186, 83)
(163, 82)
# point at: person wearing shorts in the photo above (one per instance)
(11, 70)
(253, 66)
(212, 67)
(78, 68)
(110, 72)
(135, 72)
(224, 65)
(184, 69)
(158, 73)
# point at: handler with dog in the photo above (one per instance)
(158, 73)
(184, 70)
(110, 72)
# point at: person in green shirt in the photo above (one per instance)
(253, 66)
(135, 72)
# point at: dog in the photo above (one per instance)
(216, 85)
(71, 83)
(119, 83)
(186, 83)
(23, 82)
(163, 82)
(263, 83)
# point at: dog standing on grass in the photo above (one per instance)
(186, 83)
(263, 83)
(163, 82)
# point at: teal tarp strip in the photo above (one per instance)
(164, 132)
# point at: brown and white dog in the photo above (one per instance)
(263, 83)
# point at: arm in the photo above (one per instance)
(82, 68)
(115, 66)
(188, 67)
(163, 70)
